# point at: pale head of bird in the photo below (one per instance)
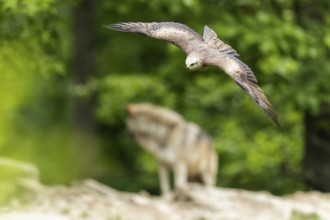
(194, 61)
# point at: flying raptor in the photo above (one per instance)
(202, 51)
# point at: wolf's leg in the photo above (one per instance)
(164, 179)
(208, 178)
(180, 175)
(209, 173)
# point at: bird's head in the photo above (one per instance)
(194, 62)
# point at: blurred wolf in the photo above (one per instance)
(175, 143)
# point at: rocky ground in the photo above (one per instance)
(90, 200)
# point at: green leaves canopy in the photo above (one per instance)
(286, 44)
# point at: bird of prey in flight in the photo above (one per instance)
(201, 51)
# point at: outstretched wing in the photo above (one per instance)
(245, 78)
(258, 96)
(210, 37)
(175, 33)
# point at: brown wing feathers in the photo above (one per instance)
(259, 98)
(175, 33)
(135, 27)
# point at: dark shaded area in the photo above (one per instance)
(83, 64)
(317, 149)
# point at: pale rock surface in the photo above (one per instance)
(90, 200)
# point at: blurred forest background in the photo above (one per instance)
(65, 80)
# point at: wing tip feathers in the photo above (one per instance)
(271, 113)
(273, 116)
(116, 27)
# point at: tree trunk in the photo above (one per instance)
(83, 66)
(317, 149)
(83, 62)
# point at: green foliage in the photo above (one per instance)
(286, 44)
(26, 7)
(33, 124)
(254, 157)
(117, 91)
(302, 216)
